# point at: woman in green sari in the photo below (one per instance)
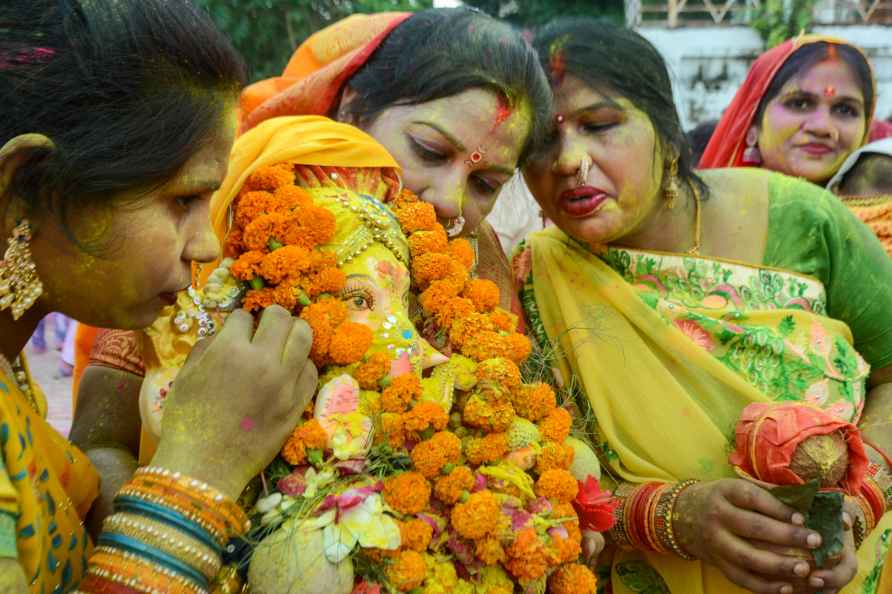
(673, 300)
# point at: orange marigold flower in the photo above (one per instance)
(484, 293)
(416, 216)
(484, 450)
(428, 242)
(463, 252)
(554, 456)
(284, 295)
(430, 456)
(436, 295)
(534, 401)
(327, 280)
(286, 261)
(478, 517)
(392, 431)
(370, 373)
(485, 344)
(500, 372)
(251, 205)
(270, 177)
(247, 266)
(379, 555)
(261, 230)
(424, 415)
(401, 392)
(489, 550)
(312, 434)
(258, 299)
(234, 245)
(527, 558)
(330, 309)
(556, 426)
(429, 268)
(457, 274)
(292, 197)
(449, 488)
(504, 321)
(349, 343)
(469, 328)
(564, 550)
(292, 230)
(294, 451)
(564, 510)
(558, 485)
(407, 571)
(320, 223)
(490, 417)
(408, 493)
(572, 579)
(519, 347)
(415, 535)
(455, 308)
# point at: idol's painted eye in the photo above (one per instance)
(358, 298)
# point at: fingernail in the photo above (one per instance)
(800, 569)
(786, 590)
(813, 540)
(798, 519)
(816, 582)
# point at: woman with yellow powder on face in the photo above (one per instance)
(675, 300)
(105, 233)
(804, 107)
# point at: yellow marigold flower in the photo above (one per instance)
(477, 517)
(453, 309)
(490, 417)
(556, 426)
(392, 431)
(489, 550)
(572, 579)
(557, 485)
(430, 456)
(554, 456)
(415, 534)
(408, 493)
(450, 488)
(504, 321)
(407, 571)
(468, 329)
(484, 293)
(501, 372)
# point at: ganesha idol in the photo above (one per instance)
(362, 268)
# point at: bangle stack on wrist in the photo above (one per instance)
(644, 519)
(166, 535)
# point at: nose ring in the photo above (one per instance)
(456, 226)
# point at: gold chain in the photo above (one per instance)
(698, 227)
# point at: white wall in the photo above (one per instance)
(709, 64)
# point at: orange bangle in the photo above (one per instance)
(112, 564)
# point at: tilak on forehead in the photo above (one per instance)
(503, 112)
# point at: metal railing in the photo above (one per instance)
(692, 13)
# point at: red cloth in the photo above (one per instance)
(767, 436)
(880, 130)
(725, 148)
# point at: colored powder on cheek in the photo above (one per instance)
(247, 425)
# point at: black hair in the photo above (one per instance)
(698, 138)
(442, 52)
(126, 90)
(808, 56)
(615, 60)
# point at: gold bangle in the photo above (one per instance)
(674, 546)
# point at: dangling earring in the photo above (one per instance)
(751, 154)
(19, 285)
(671, 190)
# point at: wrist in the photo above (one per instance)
(191, 466)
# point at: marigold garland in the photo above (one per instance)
(557, 484)
(407, 571)
(451, 487)
(371, 372)
(572, 579)
(430, 456)
(408, 493)
(556, 426)
(527, 558)
(415, 535)
(401, 392)
(478, 517)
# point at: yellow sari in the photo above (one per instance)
(46, 484)
(668, 353)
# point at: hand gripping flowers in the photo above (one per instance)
(455, 478)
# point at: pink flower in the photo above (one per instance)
(594, 507)
(696, 333)
(294, 484)
(367, 588)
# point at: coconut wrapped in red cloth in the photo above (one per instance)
(794, 443)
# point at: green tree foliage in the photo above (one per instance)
(779, 20)
(268, 31)
(533, 13)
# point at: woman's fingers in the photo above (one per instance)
(837, 577)
(755, 526)
(764, 562)
(749, 496)
(752, 582)
(272, 332)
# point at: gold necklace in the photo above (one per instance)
(698, 229)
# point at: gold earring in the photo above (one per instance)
(671, 191)
(19, 285)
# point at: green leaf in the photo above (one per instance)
(799, 497)
(825, 518)
(314, 457)
(256, 283)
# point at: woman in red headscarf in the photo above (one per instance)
(804, 107)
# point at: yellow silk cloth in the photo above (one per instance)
(48, 485)
(662, 403)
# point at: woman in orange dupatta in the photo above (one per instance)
(670, 301)
(804, 107)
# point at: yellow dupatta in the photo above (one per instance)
(664, 405)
